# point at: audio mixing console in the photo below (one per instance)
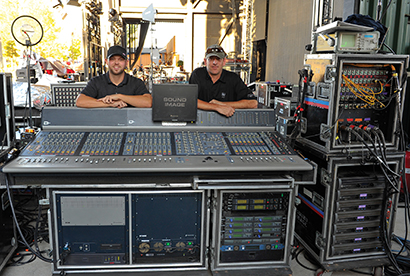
(89, 158)
(78, 140)
(157, 151)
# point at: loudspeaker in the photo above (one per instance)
(7, 125)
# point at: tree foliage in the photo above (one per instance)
(10, 50)
(43, 11)
(74, 50)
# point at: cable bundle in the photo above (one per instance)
(32, 226)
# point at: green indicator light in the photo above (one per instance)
(189, 243)
(276, 246)
(168, 244)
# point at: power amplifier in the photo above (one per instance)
(109, 229)
(252, 228)
(339, 219)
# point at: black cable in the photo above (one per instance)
(384, 234)
(21, 257)
(29, 232)
(386, 166)
(380, 134)
(4, 140)
(38, 254)
(369, 138)
(304, 76)
(360, 272)
(402, 146)
(36, 228)
(389, 180)
(302, 265)
(406, 223)
(388, 47)
(384, 12)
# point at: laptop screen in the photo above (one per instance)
(174, 102)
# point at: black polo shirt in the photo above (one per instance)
(229, 87)
(101, 86)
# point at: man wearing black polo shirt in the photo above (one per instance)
(115, 88)
(218, 89)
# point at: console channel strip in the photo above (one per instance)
(253, 226)
(185, 150)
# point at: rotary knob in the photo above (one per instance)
(180, 246)
(144, 247)
(158, 246)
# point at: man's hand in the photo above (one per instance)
(217, 106)
(118, 104)
(213, 101)
(109, 99)
(127, 100)
(113, 101)
(224, 109)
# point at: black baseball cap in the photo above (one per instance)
(117, 51)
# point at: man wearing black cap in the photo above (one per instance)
(218, 89)
(115, 88)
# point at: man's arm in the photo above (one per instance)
(241, 104)
(144, 100)
(90, 102)
(221, 108)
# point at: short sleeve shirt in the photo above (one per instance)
(229, 87)
(101, 86)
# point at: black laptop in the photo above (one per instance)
(174, 102)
